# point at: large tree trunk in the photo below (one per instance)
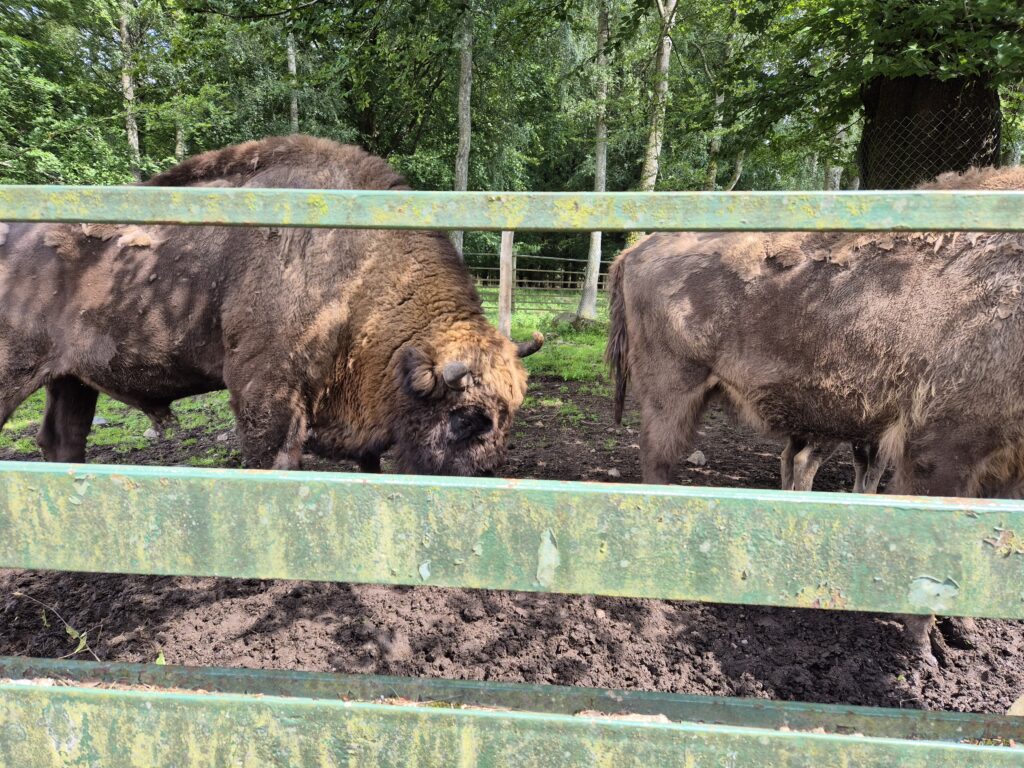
(917, 127)
(293, 82)
(128, 94)
(465, 115)
(588, 301)
(652, 156)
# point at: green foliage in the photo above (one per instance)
(770, 82)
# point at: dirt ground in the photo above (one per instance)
(564, 432)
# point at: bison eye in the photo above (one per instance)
(468, 423)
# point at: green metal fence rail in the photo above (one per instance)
(834, 551)
(522, 211)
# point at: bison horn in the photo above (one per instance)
(455, 375)
(527, 348)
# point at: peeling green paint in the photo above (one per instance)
(841, 551)
(753, 712)
(74, 727)
(967, 210)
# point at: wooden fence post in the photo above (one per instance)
(506, 276)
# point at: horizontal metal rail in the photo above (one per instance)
(841, 551)
(522, 211)
(550, 699)
(47, 725)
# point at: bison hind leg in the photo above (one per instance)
(794, 444)
(868, 467)
(668, 430)
(70, 407)
(807, 462)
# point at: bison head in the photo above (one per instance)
(458, 404)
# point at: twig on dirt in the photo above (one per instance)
(81, 637)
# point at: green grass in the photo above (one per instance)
(568, 354)
(125, 428)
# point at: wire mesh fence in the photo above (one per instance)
(902, 152)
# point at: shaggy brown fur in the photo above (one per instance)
(354, 335)
(916, 339)
(912, 341)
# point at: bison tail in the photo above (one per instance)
(617, 352)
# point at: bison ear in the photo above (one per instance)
(417, 374)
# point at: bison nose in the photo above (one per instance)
(469, 423)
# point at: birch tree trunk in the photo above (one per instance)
(656, 130)
(588, 301)
(465, 116)
(656, 133)
(294, 82)
(128, 94)
(736, 172)
(179, 140)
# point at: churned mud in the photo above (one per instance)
(564, 432)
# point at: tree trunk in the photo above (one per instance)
(656, 129)
(293, 82)
(588, 301)
(128, 94)
(506, 276)
(715, 145)
(1018, 150)
(737, 171)
(917, 127)
(834, 173)
(465, 115)
(179, 140)
(652, 157)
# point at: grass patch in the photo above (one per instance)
(215, 457)
(568, 354)
(124, 427)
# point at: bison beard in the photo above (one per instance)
(353, 341)
(911, 341)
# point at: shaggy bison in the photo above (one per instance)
(911, 341)
(367, 338)
(802, 457)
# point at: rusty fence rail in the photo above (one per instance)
(832, 551)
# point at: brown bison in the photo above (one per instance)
(912, 341)
(801, 458)
(367, 338)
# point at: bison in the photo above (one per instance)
(369, 339)
(802, 457)
(913, 341)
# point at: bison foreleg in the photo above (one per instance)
(70, 407)
(868, 468)
(370, 463)
(919, 632)
(794, 445)
(272, 430)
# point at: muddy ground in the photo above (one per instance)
(564, 432)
